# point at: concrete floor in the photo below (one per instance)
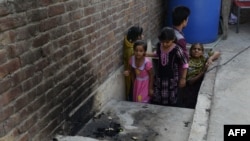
(146, 122)
(139, 121)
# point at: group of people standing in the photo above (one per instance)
(179, 73)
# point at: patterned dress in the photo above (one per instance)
(141, 83)
(167, 77)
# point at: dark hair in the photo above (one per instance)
(134, 32)
(140, 43)
(179, 14)
(167, 34)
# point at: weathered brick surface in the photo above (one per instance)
(55, 53)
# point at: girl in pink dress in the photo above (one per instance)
(141, 72)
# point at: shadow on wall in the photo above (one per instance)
(111, 89)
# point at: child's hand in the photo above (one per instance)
(150, 92)
(126, 73)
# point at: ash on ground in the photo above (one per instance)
(109, 127)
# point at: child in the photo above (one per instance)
(134, 33)
(180, 19)
(141, 73)
(198, 65)
(170, 57)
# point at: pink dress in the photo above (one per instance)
(141, 83)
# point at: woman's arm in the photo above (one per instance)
(213, 57)
(182, 82)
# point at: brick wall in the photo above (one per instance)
(55, 53)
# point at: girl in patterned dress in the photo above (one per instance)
(141, 73)
(167, 80)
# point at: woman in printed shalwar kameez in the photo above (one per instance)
(198, 65)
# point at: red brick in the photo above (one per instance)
(78, 54)
(64, 41)
(49, 24)
(48, 84)
(17, 49)
(45, 2)
(5, 136)
(3, 71)
(76, 45)
(33, 29)
(63, 95)
(7, 37)
(75, 26)
(37, 14)
(10, 95)
(65, 19)
(22, 34)
(5, 85)
(4, 10)
(90, 30)
(89, 11)
(27, 124)
(9, 67)
(11, 22)
(77, 35)
(3, 56)
(20, 116)
(85, 22)
(58, 55)
(22, 75)
(47, 50)
(11, 123)
(41, 64)
(6, 112)
(71, 5)
(25, 6)
(13, 65)
(56, 10)
(65, 61)
(27, 58)
(31, 82)
(34, 130)
(41, 40)
(36, 104)
(75, 15)
(59, 32)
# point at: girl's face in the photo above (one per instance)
(167, 44)
(139, 51)
(196, 51)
